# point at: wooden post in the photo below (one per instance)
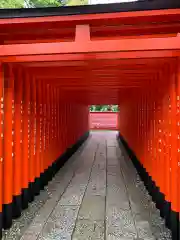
(25, 140)
(1, 142)
(17, 187)
(8, 145)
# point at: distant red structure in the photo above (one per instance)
(103, 120)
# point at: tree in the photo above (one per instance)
(40, 3)
(46, 3)
(104, 108)
(77, 2)
(11, 3)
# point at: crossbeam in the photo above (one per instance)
(172, 43)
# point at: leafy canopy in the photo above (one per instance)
(104, 108)
(40, 3)
(46, 3)
(11, 3)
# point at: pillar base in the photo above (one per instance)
(31, 192)
(7, 215)
(37, 186)
(25, 198)
(0, 225)
(16, 210)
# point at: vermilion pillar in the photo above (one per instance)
(44, 136)
(41, 140)
(32, 147)
(8, 145)
(1, 141)
(174, 216)
(18, 135)
(26, 139)
(38, 136)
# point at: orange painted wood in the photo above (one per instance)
(99, 56)
(18, 132)
(1, 137)
(26, 129)
(171, 43)
(38, 129)
(8, 133)
(32, 131)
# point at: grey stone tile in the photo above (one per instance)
(92, 208)
(113, 237)
(119, 223)
(75, 191)
(117, 201)
(96, 188)
(21, 224)
(29, 236)
(143, 227)
(88, 230)
(113, 170)
(73, 195)
(100, 165)
(41, 217)
(34, 231)
(61, 223)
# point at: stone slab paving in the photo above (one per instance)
(96, 195)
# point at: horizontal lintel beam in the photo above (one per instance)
(105, 46)
(92, 56)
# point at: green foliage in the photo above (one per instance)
(77, 2)
(40, 3)
(104, 108)
(11, 3)
(45, 3)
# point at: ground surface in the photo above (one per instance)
(96, 195)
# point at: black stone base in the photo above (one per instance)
(172, 218)
(19, 203)
(174, 224)
(24, 198)
(31, 192)
(0, 225)
(7, 216)
(37, 186)
(16, 211)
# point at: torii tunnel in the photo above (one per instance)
(56, 62)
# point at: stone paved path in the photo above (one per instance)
(96, 195)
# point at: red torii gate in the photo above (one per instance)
(53, 67)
